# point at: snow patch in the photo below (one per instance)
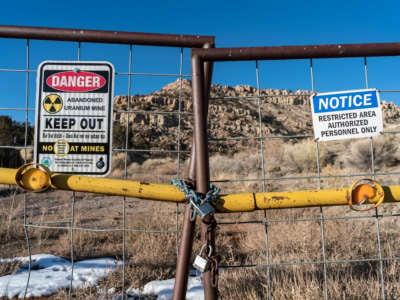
(164, 289)
(50, 273)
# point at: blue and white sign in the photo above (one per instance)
(346, 114)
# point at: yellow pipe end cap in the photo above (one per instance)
(33, 177)
(365, 191)
(362, 193)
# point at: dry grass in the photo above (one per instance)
(301, 157)
(152, 256)
(385, 149)
(9, 268)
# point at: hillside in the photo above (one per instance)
(233, 112)
(293, 235)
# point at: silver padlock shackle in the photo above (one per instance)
(210, 250)
(193, 214)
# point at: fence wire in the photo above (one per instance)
(311, 253)
(292, 253)
(76, 225)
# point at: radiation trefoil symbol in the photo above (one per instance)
(53, 103)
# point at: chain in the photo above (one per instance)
(209, 238)
(196, 199)
(211, 195)
(187, 188)
(184, 186)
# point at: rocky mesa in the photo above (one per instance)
(234, 112)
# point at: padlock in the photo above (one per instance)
(203, 210)
(200, 263)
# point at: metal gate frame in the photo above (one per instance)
(200, 98)
(132, 38)
(202, 61)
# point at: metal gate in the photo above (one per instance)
(324, 252)
(87, 225)
(307, 253)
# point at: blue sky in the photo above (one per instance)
(233, 23)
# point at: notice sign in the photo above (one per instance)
(347, 114)
(74, 117)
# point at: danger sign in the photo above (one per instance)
(76, 82)
(347, 114)
(74, 117)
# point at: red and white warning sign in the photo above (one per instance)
(76, 81)
(73, 132)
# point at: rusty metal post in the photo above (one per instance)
(185, 246)
(182, 265)
(207, 225)
(208, 68)
(202, 161)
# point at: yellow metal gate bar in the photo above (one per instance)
(243, 202)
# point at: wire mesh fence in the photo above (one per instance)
(309, 253)
(152, 115)
(260, 139)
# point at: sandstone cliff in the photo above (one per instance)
(233, 112)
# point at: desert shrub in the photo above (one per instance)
(118, 160)
(239, 165)
(9, 220)
(301, 157)
(386, 153)
(156, 170)
(12, 134)
(119, 132)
